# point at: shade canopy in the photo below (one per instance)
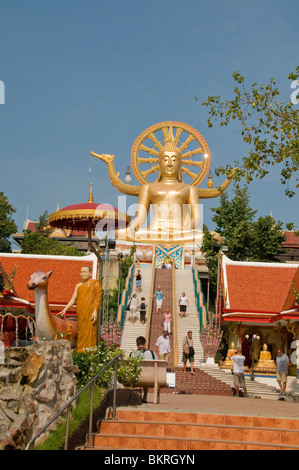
(102, 217)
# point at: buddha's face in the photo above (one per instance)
(170, 163)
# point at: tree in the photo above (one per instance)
(211, 260)
(39, 242)
(7, 225)
(233, 220)
(268, 126)
(246, 238)
(267, 240)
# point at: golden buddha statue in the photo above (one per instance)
(228, 363)
(265, 363)
(175, 204)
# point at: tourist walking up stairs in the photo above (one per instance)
(132, 331)
(184, 283)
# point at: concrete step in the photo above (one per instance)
(254, 388)
(132, 331)
(184, 283)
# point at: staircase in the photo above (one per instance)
(254, 389)
(132, 331)
(163, 279)
(207, 380)
(169, 430)
(184, 283)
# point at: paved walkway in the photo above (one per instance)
(208, 404)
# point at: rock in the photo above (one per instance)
(37, 383)
(31, 368)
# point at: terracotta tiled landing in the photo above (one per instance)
(192, 431)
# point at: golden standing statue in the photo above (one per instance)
(175, 204)
(87, 295)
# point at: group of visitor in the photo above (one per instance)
(163, 350)
(282, 368)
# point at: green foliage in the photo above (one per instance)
(93, 360)
(268, 126)
(125, 263)
(7, 225)
(79, 414)
(40, 243)
(210, 258)
(246, 238)
(130, 370)
(267, 240)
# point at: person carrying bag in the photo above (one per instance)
(188, 352)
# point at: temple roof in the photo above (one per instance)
(66, 274)
(260, 290)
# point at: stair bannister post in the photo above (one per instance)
(174, 318)
(150, 304)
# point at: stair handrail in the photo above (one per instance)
(174, 319)
(150, 303)
(200, 299)
(67, 407)
(125, 296)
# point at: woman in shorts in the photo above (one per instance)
(138, 281)
(183, 304)
(159, 299)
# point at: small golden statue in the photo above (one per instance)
(265, 363)
(175, 204)
(228, 363)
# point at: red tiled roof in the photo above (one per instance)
(291, 240)
(66, 274)
(260, 287)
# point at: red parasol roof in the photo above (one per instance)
(78, 216)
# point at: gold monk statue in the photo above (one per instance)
(87, 295)
(175, 204)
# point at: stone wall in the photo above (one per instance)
(35, 383)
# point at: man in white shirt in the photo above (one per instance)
(163, 347)
(238, 372)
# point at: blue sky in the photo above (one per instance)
(92, 75)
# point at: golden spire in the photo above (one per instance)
(90, 194)
(210, 182)
(169, 138)
(170, 144)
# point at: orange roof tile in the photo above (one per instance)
(66, 274)
(260, 287)
(291, 239)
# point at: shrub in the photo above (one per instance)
(94, 359)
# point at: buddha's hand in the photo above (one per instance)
(131, 231)
(105, 157)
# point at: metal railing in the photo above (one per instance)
(67, 407)
(200, 299)
(126, 293)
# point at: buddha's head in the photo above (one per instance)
(170, 158)
(265, 347)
